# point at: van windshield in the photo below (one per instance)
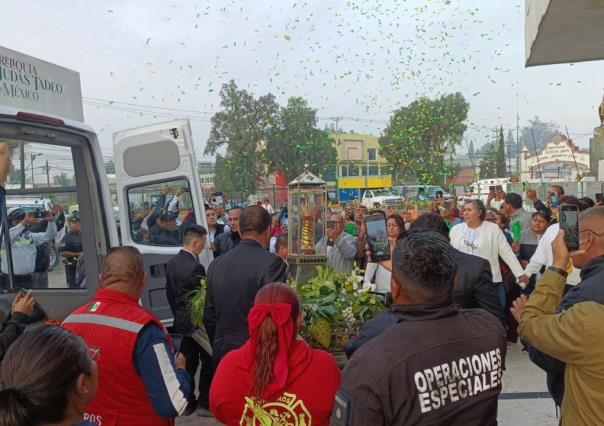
(382, 193)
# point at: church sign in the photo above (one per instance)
(560, 152)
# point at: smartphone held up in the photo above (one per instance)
(569, 223)
(377, 237)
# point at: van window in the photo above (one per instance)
(159, 212)
(43, 217)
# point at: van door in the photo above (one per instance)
(159, 194)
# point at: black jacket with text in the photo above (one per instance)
(437, 365)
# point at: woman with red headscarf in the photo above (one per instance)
(275, 378)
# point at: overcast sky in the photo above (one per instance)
(143, 62)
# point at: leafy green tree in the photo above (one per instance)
(544, 132)
(500, 155)
(418, 136)
(511, 141)
(109, 167)
(488, 164)
(63, 180)
(295, 141)
(242, 128)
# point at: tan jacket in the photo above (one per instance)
(575, 337)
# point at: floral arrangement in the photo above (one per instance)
(334, 308)
(198, 301)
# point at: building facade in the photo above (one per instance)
(559, 159)
(359, 164)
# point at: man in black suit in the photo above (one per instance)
(473, 286)
(235, 277)
(183, 275)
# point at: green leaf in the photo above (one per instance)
(320, 331)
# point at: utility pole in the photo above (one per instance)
(338, 143)
(47, 174)
(518, 149)
(509, 159)
(33, 157)
(22, 171)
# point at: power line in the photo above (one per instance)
(146, 112)
(146, 106)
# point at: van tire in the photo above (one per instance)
(53, 258)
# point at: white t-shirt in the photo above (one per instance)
(544, 256)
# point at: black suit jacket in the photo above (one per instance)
(219, 230)
(474, 286)
(233, 281)
(183, 275)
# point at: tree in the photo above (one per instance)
(500, 156)
(417, 138)
(242, 127)
(471, 150)
(63, 180)
(110, 167)
(544, 132)
(488, 164)
(295, 141)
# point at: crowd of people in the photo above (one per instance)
(435, 355)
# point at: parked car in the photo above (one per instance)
(421, 192)
(380, 198)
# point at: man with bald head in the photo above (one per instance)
(140, 381)
(547, 313)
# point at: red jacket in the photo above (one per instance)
(306, 399)
(111, 322)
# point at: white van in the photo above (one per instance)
(481, 189)
(41, 120)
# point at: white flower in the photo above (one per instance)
(367, 286)
(348, 316)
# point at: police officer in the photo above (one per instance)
(71, 249)
(23, 244)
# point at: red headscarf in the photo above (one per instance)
(281, 314)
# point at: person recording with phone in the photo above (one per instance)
(555, 193)
(395, 231)
(24, 245)
(563, 331)
(341, 247)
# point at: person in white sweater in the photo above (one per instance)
(395, 227)
(484, 239)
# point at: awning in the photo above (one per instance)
(564, 31)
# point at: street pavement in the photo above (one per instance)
(524, 400)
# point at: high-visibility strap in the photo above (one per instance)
(104, 320)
